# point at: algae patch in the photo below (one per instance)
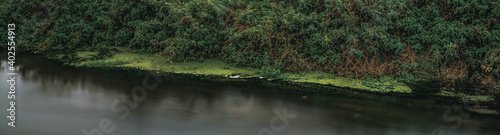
(328, 79)
(99, 63)
(123, 57)
(157, 62)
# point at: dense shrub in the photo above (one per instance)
(345, 37)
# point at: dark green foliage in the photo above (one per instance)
(300, 35)
(406, 77)
(271, 71)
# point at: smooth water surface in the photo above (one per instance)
(53, 99)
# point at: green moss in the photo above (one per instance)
(100, 63)
(154, 62)
(325, 78)
(125, 58)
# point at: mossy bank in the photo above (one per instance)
(124, 57)
(312, 82)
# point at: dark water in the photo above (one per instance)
(56, 100)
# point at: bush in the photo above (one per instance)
(406, 77)
(270, 72)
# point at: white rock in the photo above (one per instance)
(236, 76)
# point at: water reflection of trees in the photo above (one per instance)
(205, 102)
(55, 78)
(201, 101)
(192, 99)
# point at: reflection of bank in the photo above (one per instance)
(78, 87)
(55, 99)
(208, 104)
(123, 105)
(460, 112)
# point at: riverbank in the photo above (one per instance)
(348, 46)
(123, 57)
(304, 38)
(305, 83)
(315, 81)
